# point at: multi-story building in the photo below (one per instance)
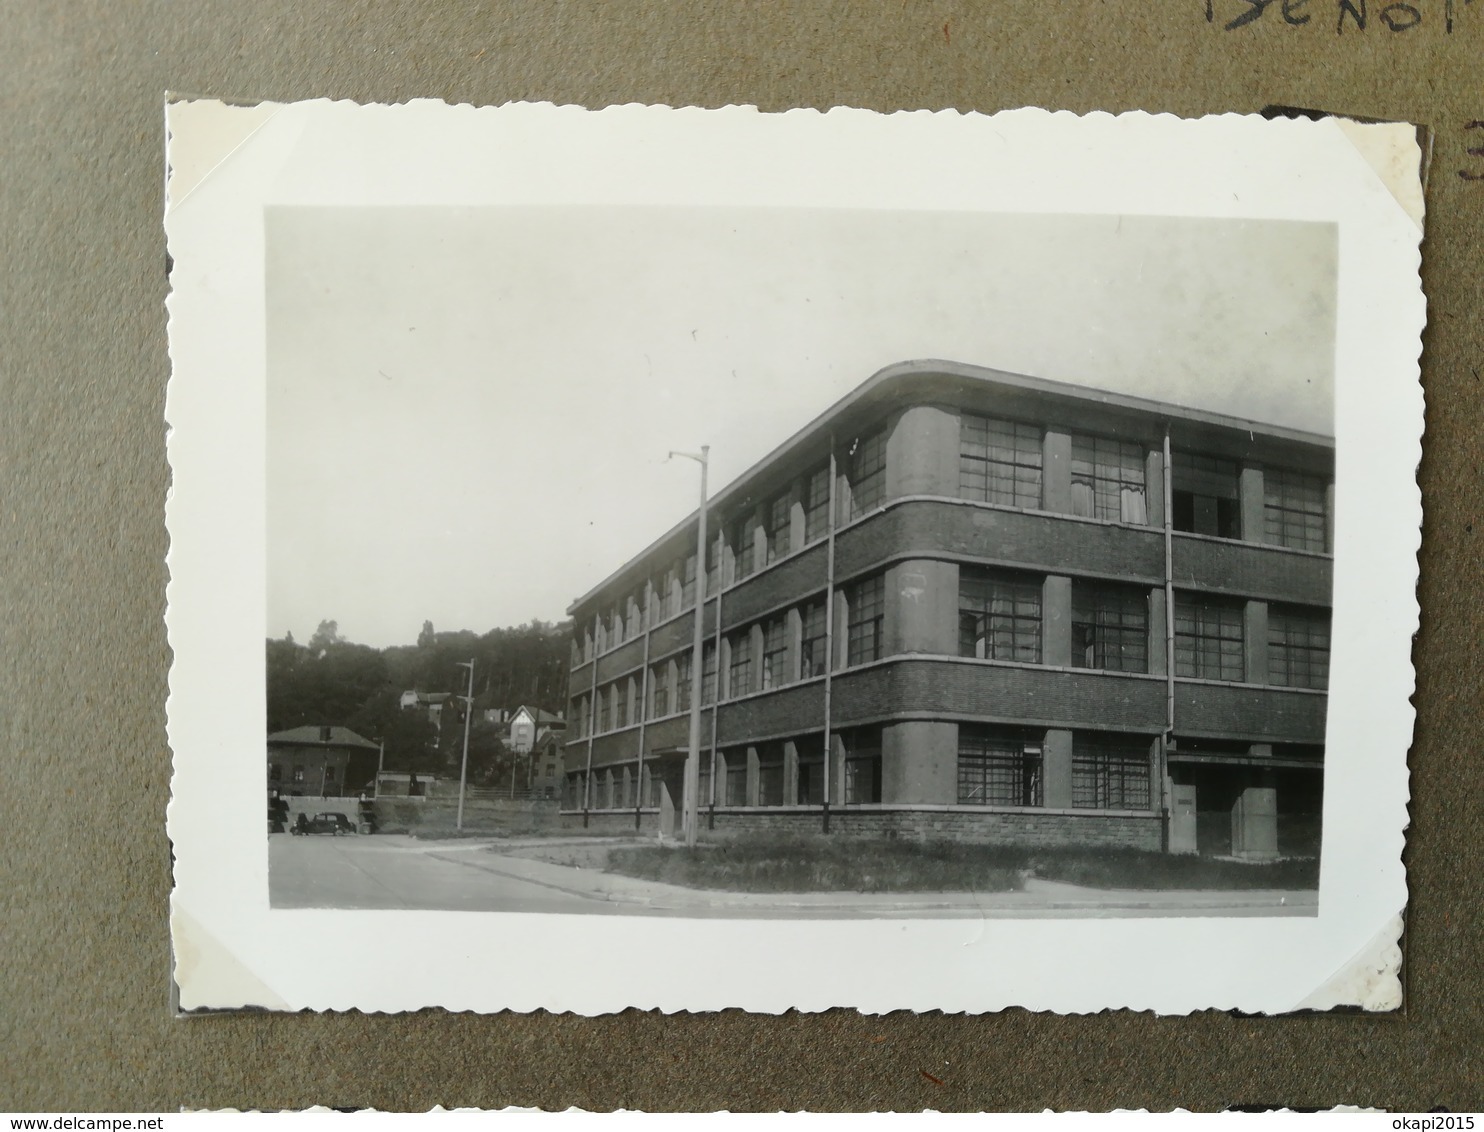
(972, 604)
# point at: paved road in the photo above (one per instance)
(389, 872)
(398, 872)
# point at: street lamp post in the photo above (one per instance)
(697, 668)
(464, 766)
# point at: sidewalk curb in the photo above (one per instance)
(678, 899)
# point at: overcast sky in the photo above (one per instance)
(469, 409)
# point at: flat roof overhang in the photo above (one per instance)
(936, 380)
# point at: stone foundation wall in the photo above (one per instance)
(1022, 828)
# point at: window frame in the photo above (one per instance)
(813, 660)
(1003, 479)
(981, 626)
(1285, 647)
(865, 620)
(1195, 612)
(1190, 473)
(1107, 761)
(1291, 522)
(1007, 765)
(1102, 611)
(775, 673)
(815, 490)
(1109, 479)
(866, 472)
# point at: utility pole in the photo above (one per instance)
(697, 667)
(464, 766)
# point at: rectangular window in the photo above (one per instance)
(1108, 480)
(779, 526)
(862, 765)
(1298, 647)
(1110, 772)
(682, 682)
(620, 706)
(809, 789)
(329, 774)
(298, 775)
(999, 461)
(865, 465)
(812, 641)
(1207, 495)
(635, 623)
(1293, 510)
(275, 773)
(605, 708)
(775, 653)
(866, 601)
(739, 668)
(998, 766)
(659, 683)
(816, 504)
(1110, 627)
(736, 777)
(744, 547)
(999, 615)
(770, 774)
(1208, 638)
(708, 673)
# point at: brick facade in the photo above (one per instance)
(905, 660)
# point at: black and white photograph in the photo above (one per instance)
(983, 546)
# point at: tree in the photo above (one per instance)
(326, 635)
(426, 638)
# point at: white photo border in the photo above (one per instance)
(230, 163)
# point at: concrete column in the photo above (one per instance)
(836, 755)
(842, 622)
(1158, 627)
(1329, 518)
(795, 634)
(796, 524)
(726, 563)
(922, 608)
(919, 762)
(1255, 823)
(1183, 818)
(1154, 486)
(842, 494)
(1255, 641)
(1254, 525)
(922, 453)
(1056, 621)
(790, 773)
(1056, 472)
(754, 776)
(1056, 769)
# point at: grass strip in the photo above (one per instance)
(819, 864)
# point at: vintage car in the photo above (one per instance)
(334, 824)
